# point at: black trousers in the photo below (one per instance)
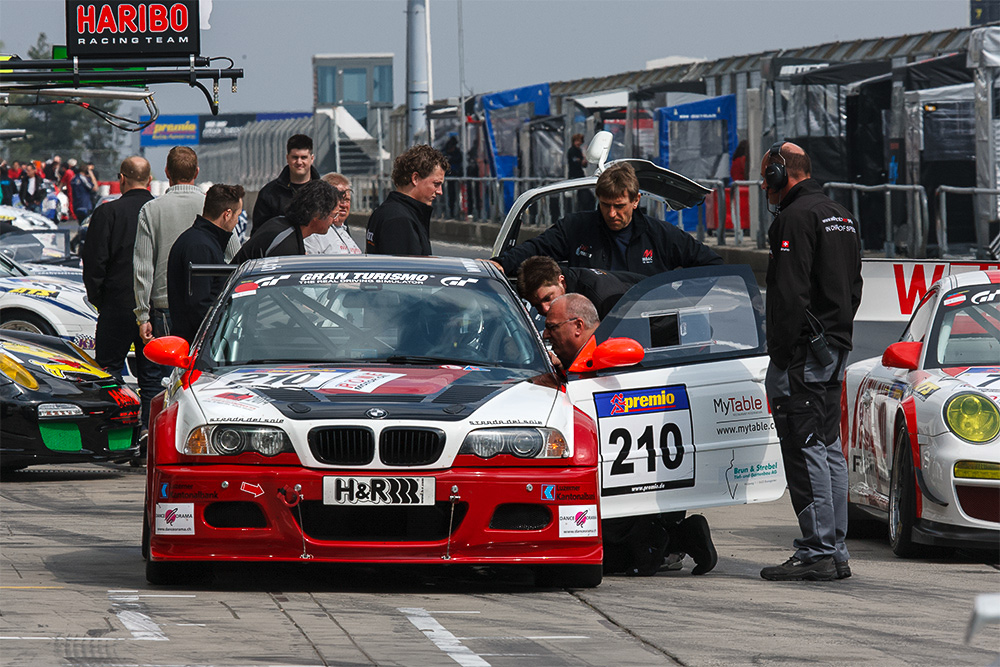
(116, 333)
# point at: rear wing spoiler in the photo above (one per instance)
(894, 287)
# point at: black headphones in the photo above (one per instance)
(775, 175)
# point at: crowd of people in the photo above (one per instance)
(138, 249)
(63, 191)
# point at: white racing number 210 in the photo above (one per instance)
(646, 440)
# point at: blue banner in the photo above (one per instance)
(170, 131)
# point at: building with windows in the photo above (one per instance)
(361, 83)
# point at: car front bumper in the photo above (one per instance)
(495, 515)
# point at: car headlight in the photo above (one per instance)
(232, 439)
(524, 443)
(972, 417)
(18, 373)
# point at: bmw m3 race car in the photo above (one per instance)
(920, 425)
(404, 410)
(57, 406)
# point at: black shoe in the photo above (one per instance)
(843, 568)
(795, 569)
(696, 541)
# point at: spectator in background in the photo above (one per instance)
(575, 162)
(66, 175)
(336, 241)
(204, 242)
(32, 191)
(85, 191)
(273, 198)
(7, 186)
(51, 169)
(453, 152)
(311, 211)
(401, 225)
(107, 274)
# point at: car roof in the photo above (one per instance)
(459, 266)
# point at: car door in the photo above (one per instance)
(690, 425)
(673, 190)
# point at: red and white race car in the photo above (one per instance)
(920, 425)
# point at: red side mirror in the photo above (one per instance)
(612, 353)
(168, 351)
(902, 355)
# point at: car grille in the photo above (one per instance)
(342, 446)
(410, 446)
(979, 502)
(428, 523)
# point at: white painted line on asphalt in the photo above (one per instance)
(444, 640)
(74, 639)
(149, 595)
(454, 612)
(141, 627)
(194, 625)
(547, 637)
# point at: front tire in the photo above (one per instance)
(15, 319)
(902, 499)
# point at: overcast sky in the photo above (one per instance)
(508, 43)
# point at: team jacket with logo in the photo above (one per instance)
(583, 240)
(816, 265)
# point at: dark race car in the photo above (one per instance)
(58, 406)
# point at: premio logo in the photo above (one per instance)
(641, 401)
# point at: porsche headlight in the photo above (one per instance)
(972, 417)
(18, 373)
(232, 439)
(524, 443)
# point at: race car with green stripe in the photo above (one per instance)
(58, 406)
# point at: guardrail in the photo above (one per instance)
(982, 225)
(918, 231)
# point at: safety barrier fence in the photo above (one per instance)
(917, 216)
(981, 226)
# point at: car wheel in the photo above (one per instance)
(569, 576)
(22, 320)
(902, 499)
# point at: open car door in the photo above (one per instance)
(689, 426)
(675, 191)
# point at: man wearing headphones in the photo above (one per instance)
(813, 292)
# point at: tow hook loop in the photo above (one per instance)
(290, 497)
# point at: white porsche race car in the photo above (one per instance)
(46, 305)
(920, 426)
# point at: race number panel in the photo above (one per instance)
(646, 440)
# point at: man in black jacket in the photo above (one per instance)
(311, 211)
(540, 281)
(108, 271)
(616, 237)
(204, 242)
(273, 198)
(813, 292)
(401, 225)
(32, 191)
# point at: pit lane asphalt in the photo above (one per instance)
(73, 592)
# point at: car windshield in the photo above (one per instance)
(379, 318)
(42, 247)
(967, 331)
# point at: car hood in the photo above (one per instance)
(439, 393)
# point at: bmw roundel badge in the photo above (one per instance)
(377, 413)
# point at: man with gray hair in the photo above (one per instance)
(569, 324)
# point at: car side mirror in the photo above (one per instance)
(599, 148)
(612, 353)
(168, 351)
(902, 355)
